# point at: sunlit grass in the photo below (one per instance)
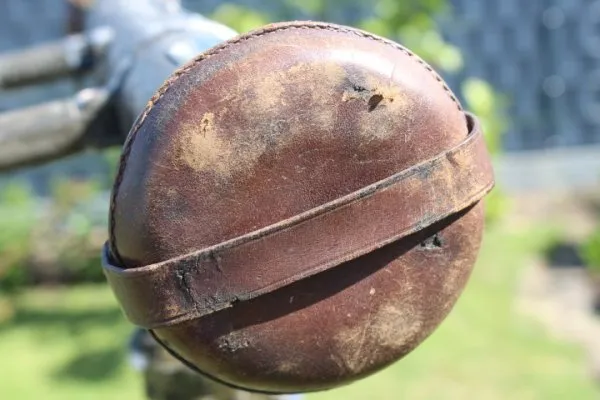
(66, 344)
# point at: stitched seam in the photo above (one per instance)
(216, 50)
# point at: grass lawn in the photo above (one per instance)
(70, 344)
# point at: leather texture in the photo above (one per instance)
(238, 230)
(207, 281)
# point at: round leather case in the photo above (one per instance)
(297, 208)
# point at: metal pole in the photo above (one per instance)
(51, 130)
(72, 55)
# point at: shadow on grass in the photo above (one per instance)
(90, 366)
(69, 322)
(563, 255)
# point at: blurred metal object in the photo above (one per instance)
(151, 37)
(52, 130)
(72, 55)
(154, 38)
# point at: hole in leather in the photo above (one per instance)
(434, 242)
(374, 101)
(470, 123)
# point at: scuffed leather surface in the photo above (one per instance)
(267, 126)
(207, 281)
(338, 326)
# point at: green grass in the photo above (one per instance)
(70, 344)
(67, 344)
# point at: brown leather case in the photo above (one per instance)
(297, 208)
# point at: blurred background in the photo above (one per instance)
(527, 326)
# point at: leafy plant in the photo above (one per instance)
(238, 17)
(17, 220)
(414, 25)
(51, 240)
(72, 255)
(489, 107)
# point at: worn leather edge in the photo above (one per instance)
(205, 374)
(198, 283)
(272, 28)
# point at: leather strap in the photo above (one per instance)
(210, 279)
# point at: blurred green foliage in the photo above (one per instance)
(18, 217)
(54, 240)
(590, 252)
(238, 17)
(488, 106)
(483, 101)
(111, 157)
(412, 22)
